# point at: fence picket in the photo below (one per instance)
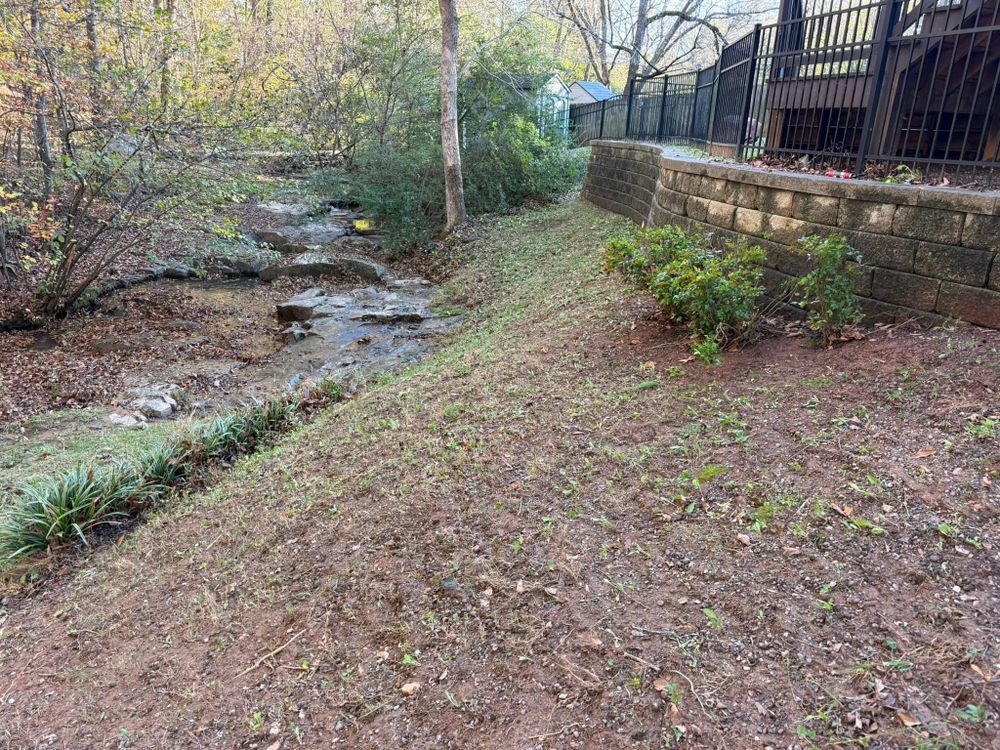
(862, 84)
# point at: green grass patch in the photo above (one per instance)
(58, 441)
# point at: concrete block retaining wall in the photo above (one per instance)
(927, 253)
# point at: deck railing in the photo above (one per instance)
(884, 88)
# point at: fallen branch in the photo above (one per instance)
(267, 656)
(693, 692)
(553, 734)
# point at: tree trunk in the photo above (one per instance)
(41, 117)
(641, 24)
(165, 9)
(454, 192)
(94, 63)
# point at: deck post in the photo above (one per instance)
(748, 92)
(887, 16)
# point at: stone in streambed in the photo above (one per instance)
(354, 243)
(323, 264)
(156, 401)
(301, 306)
(125, 419)
(294, 333)
(178, 271)
(299, 238)
(392, 314)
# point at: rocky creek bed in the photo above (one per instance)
(198, 338)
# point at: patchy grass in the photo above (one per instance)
(560, 532)
(58, 441)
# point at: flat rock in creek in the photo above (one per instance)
(392, 314)
(287, 211)
(312, 303)
(354, 243)
(327, 264)
(302, 237)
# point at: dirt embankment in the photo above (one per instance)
(560, 532)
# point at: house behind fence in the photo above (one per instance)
(846, 84)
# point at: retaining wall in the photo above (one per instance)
(927, 253)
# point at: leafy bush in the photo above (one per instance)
(504, 165)
(716, 291)
(825, 292)
(402, 190)
(509, 163)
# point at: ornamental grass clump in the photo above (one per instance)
(716, 291)
(67, 508)
(71, 507)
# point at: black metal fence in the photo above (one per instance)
(869, 86)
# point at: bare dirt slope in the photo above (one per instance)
(559, 532)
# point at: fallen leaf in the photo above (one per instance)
(924, 453)
(660, 684)
(743, 539)
(409, 688)
(908, 719)
(274, 745)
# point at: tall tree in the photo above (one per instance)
(43, 148)
(652, 36)
(454, 191)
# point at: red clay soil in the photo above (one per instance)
(561, 533)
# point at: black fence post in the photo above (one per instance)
(694, 111)
(711, 109)
(744, 122)
(629, 90)
(663, 111)
(888, 14)
(604, 106)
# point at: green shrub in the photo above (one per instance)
(505, 163)
(402, 191)
(717, 292)
(509, 163)
(639, 254)
(825, 292)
